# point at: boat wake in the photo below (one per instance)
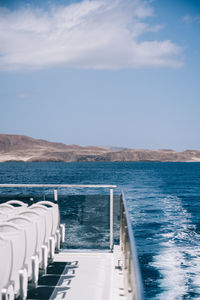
(178, 260)
(171, 248)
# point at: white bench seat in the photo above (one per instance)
(17, 237)
(40, 223)
(6, 255)
(30, 229)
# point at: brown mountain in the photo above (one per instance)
(23, 148)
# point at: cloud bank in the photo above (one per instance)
(98, 34)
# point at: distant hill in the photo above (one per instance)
(27, 149)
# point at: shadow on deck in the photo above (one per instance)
(57, 281)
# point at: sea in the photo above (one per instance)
(164, 208)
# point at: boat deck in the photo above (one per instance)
(88, 275)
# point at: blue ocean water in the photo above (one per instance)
(164, 205)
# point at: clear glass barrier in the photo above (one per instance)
(86, 217)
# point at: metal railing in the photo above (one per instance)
(57, 186)
(132, 276)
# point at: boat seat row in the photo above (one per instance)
(29, 238)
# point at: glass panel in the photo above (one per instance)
(87, 218)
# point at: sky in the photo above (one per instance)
(102, 72)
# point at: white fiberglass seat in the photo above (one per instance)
(58, 230)
(42, 210)
(54, 214)
(39, 221)
(17, 237)
(6, 255)
(49, 244)
(40, 225)
(30, 229)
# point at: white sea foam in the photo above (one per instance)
(173, 283)
(178, 260)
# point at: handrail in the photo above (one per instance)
(59, 185)
(133, 284)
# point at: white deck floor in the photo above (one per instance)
(90, 276)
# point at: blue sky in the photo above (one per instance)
(117, 73)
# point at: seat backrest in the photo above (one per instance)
(18, 239)
(10, 209)
(7, 208)
(17, 204)
(39, 221)
(30, 228)
(42, 210)
(3, 216)
(55, 214)
(6, 257)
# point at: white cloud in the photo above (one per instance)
(97, 34)
(191, 18)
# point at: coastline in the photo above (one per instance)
(20, 148)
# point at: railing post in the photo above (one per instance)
(111, 220)
(56, 195)
(31, 200)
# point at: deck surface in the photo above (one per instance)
(82, 275)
